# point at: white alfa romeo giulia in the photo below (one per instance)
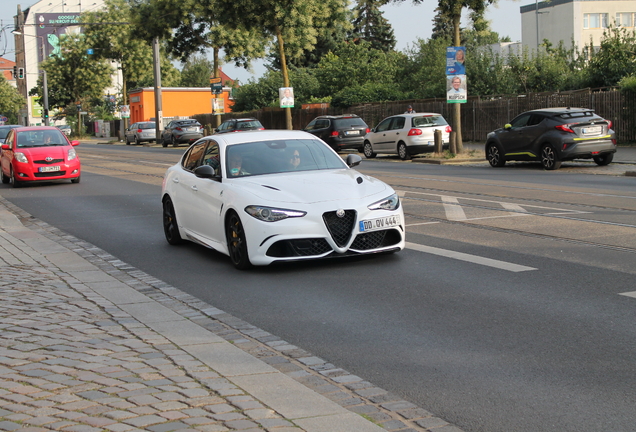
(278, 195)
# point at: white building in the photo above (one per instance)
(37, 33)
(577, 21)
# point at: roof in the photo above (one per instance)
(6, 63)
(261, 135)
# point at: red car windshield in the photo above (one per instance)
(41, 138)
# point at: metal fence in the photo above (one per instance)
(479, 116)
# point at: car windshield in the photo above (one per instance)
(248, 124)
(41, 138)
(146, 125)
(348, 122)
(426, 121)
(271, 157)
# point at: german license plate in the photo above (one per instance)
(592, 130)
(49, 169)
(379, 223)
(352, 132)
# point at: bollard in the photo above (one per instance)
(439, 144)
(453, 142)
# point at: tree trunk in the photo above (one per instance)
(283, 67)
(216, 75)
(457, 112)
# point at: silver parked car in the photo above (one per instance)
(141, 132)
(406, 135)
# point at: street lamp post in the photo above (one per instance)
(45, 87)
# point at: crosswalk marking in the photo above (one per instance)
(453, 210)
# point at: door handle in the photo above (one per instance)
(194, 188)
(175, 180)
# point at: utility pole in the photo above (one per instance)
(157, 74)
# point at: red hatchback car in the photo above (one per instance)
(38, 153)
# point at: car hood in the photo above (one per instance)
(55, 152)
(314, 186)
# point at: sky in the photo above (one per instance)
(409, 23)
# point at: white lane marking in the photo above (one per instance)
(454, 211)
(628, 294)
(503, 265)
(515, 208)
(422, 223)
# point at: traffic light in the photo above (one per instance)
(21, 73)
(15, 72)
(45, 113)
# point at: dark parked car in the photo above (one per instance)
(345, 131)
(239, 125)
(553, 135)
(182, 131)
(4, 131)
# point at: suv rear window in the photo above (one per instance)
(348, 122)
(426, 121)
(146, 125)
(248, 124)
(189, 123)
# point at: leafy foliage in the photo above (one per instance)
(369, 25)
(614, 58)
(196, 72)
(10, 100)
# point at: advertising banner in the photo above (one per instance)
(456, 89)
(286, 95)
(51, 28)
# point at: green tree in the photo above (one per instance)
(196, 72)
(10, 100)
(75, 77)
(294, 25)
(370, 25)
(425, 72)
(613, 60)
(112, 37)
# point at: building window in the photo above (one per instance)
(594, 20)
(624, 19)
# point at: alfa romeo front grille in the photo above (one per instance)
(376, 239)
(340, 228)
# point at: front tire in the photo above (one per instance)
(604, 159)
(403, 151)
(549, 158)
(127, 142)
(5, 179)
(236, 242)
(76, 179)
(14, 182)
(170, 226)
(137, 142)
(368, 150)
(495, 156)
(164, 142)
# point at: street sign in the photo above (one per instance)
(216, 85)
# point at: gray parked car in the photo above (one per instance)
(182, 131)
(141, 132)
(4, 131)
(553, 135)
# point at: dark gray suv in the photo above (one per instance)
(182, 131)
(551, 136)
(345, 131)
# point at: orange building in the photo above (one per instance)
(175, 102)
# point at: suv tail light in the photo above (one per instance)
(448, 129)
(178, 128)
(415, 131)
(368, 130)
(565, 127)
(138, 130)
(334, 133)
(609, 124)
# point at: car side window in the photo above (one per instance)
(212, 158)
(193, 159)
(311, 125)
(520, 121)
(535, 119)
(384, 125)
(322, 124)
(398, 123)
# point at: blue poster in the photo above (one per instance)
(455, 57)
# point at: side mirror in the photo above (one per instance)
(75, 143)
(5, 147)
(353, 160)
(206, 171)
(508, 126)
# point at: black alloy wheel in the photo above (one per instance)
(604, 159)
(170, 227)
(403, 151)
(549, 158)
(495, 156)
(165, 143)
(368, 150)
(14, 182)
(236, 242)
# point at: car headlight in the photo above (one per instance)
(72, 154)
(270, 214)
(389, 203)
(20, 157)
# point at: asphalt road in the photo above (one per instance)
(511, 310)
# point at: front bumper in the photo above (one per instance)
(311, 237)
(30, 171)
